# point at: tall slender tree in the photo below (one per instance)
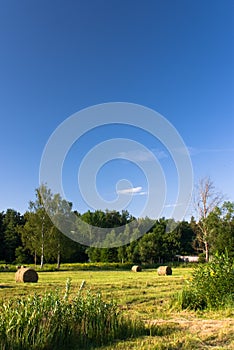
(41, 221)
(205, 201)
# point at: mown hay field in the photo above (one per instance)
(144, 295)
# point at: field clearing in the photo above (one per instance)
(143, 295)
(133, 291)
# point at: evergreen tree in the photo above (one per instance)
(11, 222)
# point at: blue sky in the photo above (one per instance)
(58, 57)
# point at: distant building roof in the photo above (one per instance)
(187, 258)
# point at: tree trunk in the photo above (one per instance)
(58, 259)
(58, 253)
(207, 251)
(35, 258)
(42, 256)
(42, 244)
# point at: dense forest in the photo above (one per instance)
(33, 238)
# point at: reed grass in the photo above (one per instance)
(52, 321)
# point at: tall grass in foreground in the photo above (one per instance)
(53, 321)
(211, 286)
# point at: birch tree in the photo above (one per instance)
(40, 221)
(205, 201)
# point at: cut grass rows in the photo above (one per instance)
(135, 291)
(144, 296)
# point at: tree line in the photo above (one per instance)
(33, 238)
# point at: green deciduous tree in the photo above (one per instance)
(221, 227)
(186, 237)
(42, 236)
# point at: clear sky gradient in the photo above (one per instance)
(58, 57)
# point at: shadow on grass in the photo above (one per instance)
(5, 286)
(163, 329)
(154, 336)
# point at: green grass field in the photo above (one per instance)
(143, 295)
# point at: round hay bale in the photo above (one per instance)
(164, 270)
(136, 268)
(26, 274)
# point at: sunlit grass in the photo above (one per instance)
(145, 296)
(53, 321)
(132, 291)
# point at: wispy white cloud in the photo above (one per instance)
(131, 190)
(135, 191)
(173, 205)
(143, 156)
(193, 151)
(143, 193)
(160, 154)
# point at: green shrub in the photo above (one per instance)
(211, 285)
(202, 258)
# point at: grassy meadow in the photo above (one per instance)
(142, 296)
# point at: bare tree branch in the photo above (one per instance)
(205, 201)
